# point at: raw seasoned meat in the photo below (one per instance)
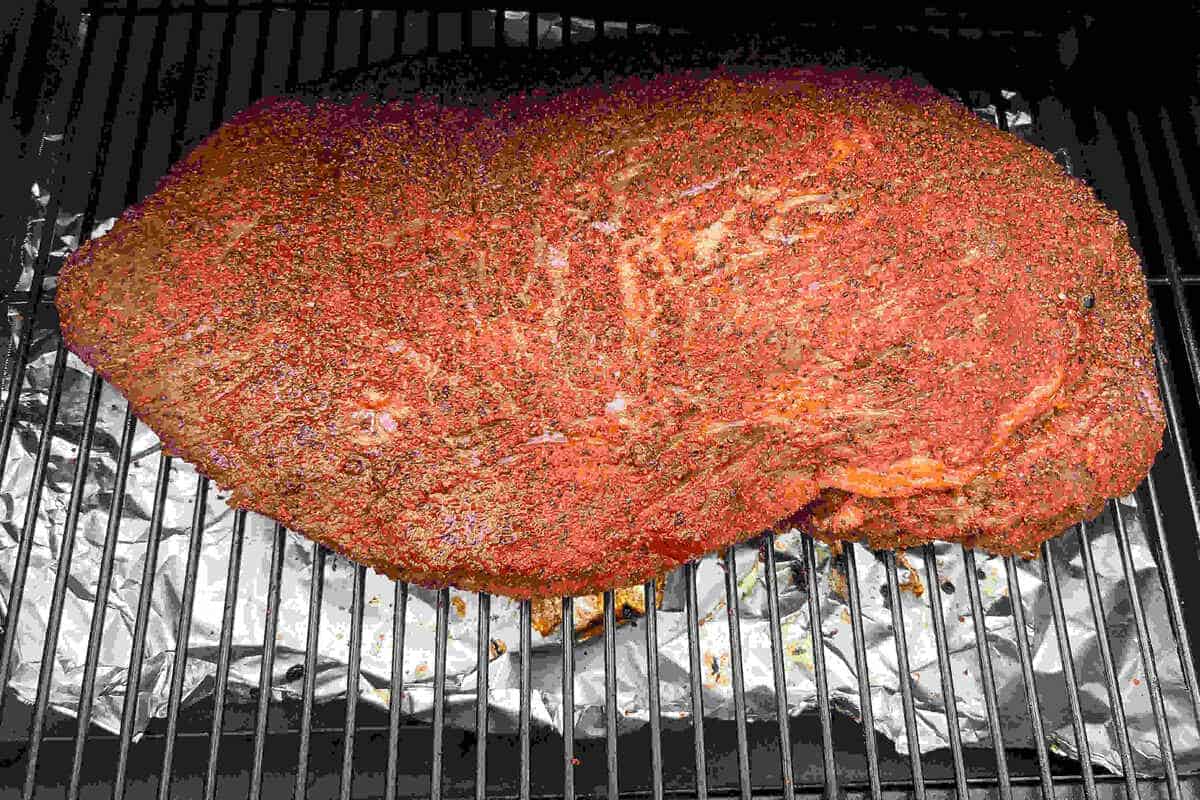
(567, 343)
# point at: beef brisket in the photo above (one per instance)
(567, 343)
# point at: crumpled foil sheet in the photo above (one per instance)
(504, 668)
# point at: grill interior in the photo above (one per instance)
(145, 81)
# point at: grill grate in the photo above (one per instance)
(1148, 146)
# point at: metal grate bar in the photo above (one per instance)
(353, 663)
(145, 594)
(364, 38)
(223, 651)
(610, 694)
(1106, 662)
(222, 86)
(182, 104)
(986, 677)
(864, 678)
(91, 662)
(1158, 540)
(498, 29)
(331, 35)
(267, 666)
(398, 33)
(395, 689)
(533, 31)
(1068, 665)
(1149, 664)
(650, 593)
(1024, 653)
(946, 673)
(566, 29)
(63, 574)
(526, 690)
(781, 706)
(439, 691)
(568, 696)
(293, 71)
(316, 589)
(260, 53)
(693, 626)
(824, 712)
(910, 712)
(431, 18)
(483, 664)
(184, 628)
(1162, 280)
(733, 614)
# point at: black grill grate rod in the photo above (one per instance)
(821, 677)
(267, 665)
(568, 696)
(233, 568)
(986, 677)
(138, 644)
(526, 690)
(697, 697)
(395, 689)
(483, 663)
(866, 707)
(183, 629)
(1106, 663)
(1025, 656)
(610, 694)
(650, 593)
(733, 614)
(910, 712)
(946, 673)
(439, 692)
(1146, 647)
(353, 664)
(781, 701)
(311, 646)
(1068, 664)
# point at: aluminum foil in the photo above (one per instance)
(504, 668)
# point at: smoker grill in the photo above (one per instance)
(1142, 154)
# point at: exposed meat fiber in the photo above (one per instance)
(567, 343)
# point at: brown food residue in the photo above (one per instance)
(629, 603)
(913, 582)
(496, 648)
(715, 670)
(837, 582)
